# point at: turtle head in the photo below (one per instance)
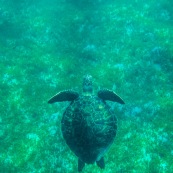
(87, 85)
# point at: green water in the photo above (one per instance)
(48, 46)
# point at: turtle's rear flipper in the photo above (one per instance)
(62, 96)
(106, 94)
(81, 165)
(101, 163)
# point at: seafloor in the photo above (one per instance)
(49, 45)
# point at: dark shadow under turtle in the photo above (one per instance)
(88, 124)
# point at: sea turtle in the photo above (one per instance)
(88, 124)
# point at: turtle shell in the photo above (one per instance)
(89, 127)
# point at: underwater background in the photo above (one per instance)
(49, 45)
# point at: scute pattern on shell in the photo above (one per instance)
(89, 127)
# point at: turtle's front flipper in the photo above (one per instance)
(67, 95)
(106, 94)
(101, 163)
(81, 165)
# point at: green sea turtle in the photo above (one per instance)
(88, 124)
